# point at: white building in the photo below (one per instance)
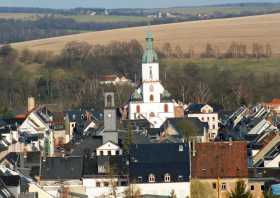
(108, 149)
(205, 113)
(151, 101)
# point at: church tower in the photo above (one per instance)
(151, 101)
(150, 72)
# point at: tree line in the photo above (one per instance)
(235, 50)
(71, 79)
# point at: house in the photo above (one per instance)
(274, 105)
(151, 100)
(181, 127)
(217, 166)
(62, 175)
(115, 80)
(205, 113)
(109, 149)
(157, 169)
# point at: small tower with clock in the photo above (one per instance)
(110, 119)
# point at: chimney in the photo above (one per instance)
(30, 104)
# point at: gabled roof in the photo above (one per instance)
(195, 123)
(4, 192)
(220, 159)
(55, 168)
(108, 145)
(11, 180)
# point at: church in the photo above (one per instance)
(151, 101)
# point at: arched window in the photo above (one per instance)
(138, 108)
(152, 178)
(151, 97)
(165, 108)
(109, 101)
(167, 178)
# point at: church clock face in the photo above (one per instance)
(151, 88)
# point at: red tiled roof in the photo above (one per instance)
(220, 159)
(274, 102)
(108, 77)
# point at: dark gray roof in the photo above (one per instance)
(159, 159)
(195, 108)
(55, 168)
(137, 138)
(86, 146)
(11, 180)
(4, 192)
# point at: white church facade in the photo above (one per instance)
(151, 101)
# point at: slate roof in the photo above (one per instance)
(55, 168)
(4, 192)
(220, 159)
(11, 180)
(195, 108)
(87, 145)
(264, 173)
(90, 166)
(159, 159)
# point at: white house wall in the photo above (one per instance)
(164, 189)
(272, 163)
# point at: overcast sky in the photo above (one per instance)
(117, 3)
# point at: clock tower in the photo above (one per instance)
(110, 119)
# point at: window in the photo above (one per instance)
(138, 108)
(109, 153)
(262, 187)
(109, 101)
(224, 186)
(152, 178)
(213, 126)
(106, 184)
(152, 114)
(208, 119)
(214, 185)
(139, 179)
(167, 178)
(151, 97)
(98, 184)
(180, 178)
(202, 118)
(213, 119)
(123, 183)
(165, 108)
(252, 187)
(117, 152)
(101, 153)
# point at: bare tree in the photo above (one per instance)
(202, 93)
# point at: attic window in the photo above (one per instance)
(181, 148)
(167, 178)
(139, 179)
(152, 178)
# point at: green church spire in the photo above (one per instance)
(150, 56)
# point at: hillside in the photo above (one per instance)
(220, 32)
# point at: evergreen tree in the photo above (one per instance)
(240, 191)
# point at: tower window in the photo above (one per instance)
(165, 108)
(151, 97)
(109, 101)
(138, 108)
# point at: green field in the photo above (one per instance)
(237, 66)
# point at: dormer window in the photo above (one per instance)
(152, 178)
(167, 178)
